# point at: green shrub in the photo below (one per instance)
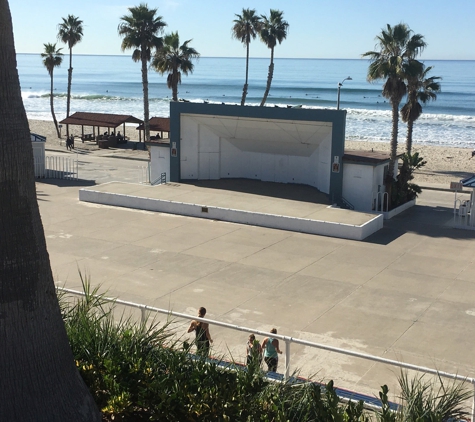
(137, 372)
(403, 190)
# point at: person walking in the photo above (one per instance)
(203, 337)
(253, 351)
(271, 349)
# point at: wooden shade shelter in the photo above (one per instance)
(157, 124)
(99, 120)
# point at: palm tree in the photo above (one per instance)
(139, 30)
(421, 89)
(273, 31)
(38, 374)
(174, 59)
(245, 28)
(397, 46)
(52, 58)
(70, 33)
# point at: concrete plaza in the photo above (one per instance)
(407, 292)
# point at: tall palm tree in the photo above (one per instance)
(245, 28)
(70, 33)
(274, 30)
(397, 45)
(52, 58)
(174, 59)
(420, 89)
(140, 31)
(39, 379)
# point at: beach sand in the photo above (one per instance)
(444, 164)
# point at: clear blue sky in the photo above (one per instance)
(317, 28)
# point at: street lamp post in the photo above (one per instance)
(340, 84)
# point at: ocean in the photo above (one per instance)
(112, 84)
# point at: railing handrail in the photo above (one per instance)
(57, 167)
(287, 339)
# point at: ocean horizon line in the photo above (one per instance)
(258, 58)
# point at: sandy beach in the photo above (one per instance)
(444, 164)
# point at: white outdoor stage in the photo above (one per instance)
(297, 208)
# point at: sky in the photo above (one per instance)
(317, 28)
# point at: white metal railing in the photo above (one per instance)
(382, 201)
(144, 174)
(56, 167)
(288, 340)
(162, 179)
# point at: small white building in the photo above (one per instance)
(364, 173)
(38, 143)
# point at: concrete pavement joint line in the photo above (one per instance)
(193, 281)
(354, 290)
(312, 263)
(431, 303)
(214, 238)
(351, 291)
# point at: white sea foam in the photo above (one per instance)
(110, 84)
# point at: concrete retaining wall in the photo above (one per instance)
(324, 228)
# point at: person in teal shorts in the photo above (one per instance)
(270, 346)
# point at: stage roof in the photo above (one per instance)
(294, 137)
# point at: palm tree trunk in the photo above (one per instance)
(70, 80)
(389, 182)
(52, 108)
(244, 90)
(39, 379)
(175, 85)
(146, 116)
(269, 77)
(410, 127)
(394, 131)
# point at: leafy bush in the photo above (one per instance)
(403, 190)
(137, 372)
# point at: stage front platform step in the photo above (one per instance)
(237, 207)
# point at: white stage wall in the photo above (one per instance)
(205, 155)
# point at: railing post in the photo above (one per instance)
(473, 403)
(143, 317)
(287, 359)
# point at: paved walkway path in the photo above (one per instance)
(406, 293)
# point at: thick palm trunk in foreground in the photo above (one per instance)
(38, 377)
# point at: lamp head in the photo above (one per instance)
(346, 79)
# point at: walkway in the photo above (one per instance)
(407, 292)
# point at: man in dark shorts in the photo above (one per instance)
(203, 337)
